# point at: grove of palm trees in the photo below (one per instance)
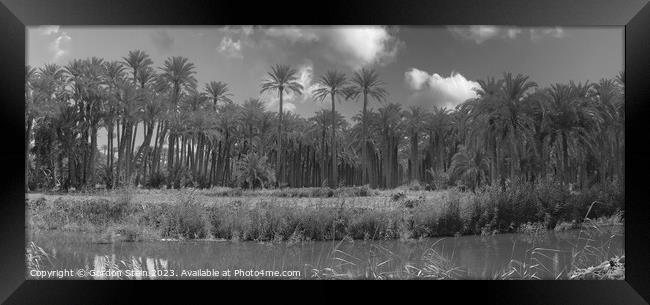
(130, 149)
(202, 136)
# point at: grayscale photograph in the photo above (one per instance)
(324, 152)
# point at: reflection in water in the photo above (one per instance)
(550, 254)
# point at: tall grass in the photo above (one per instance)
(584, 252)
(271, 218)
(381, 264)
(36, 258)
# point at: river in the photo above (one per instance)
(547, 254)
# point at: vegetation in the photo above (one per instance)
(275, 216)
(512, 131)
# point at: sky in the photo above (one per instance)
(420, 65)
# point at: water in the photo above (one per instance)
(549, 253)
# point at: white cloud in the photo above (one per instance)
(230, 48)
(434, 89)
(353, 46)
(289, 107)
(247, 30)
(482, 33)
(48, 29)
(293, 34)
(273, 104)
(513, 32)
(244, 30)
(539, 33)
(306, 79)
(477, 33)
(60, 46)
(362, 46)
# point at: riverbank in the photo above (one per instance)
(319, 213)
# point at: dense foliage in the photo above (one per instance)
(194, 136)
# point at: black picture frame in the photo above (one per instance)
(634, 15)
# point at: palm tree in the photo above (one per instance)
(152, 107)
(573, 119)
(389, 125)
(469, 166)
(365, 83)
(30, 73)
(438, 126)
(87, 78)
(179, 73)
(130, 98)
(319, 127)
(610, 103)
(416, 118)
(250, 117)
(228, 128)
(282, 78)
(137, 60)
(332, 84)
(514, 119)
(219, 92)
(485, 119)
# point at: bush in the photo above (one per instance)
(415, 186)
(184, 219)
(156, 180)
(439, 179)
(253, 171)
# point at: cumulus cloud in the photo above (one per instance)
(230, 48)
(306, 79)
(60, 45)
(353, 46)
(434, 89)
(482, 33)
(162, 40)
(361, 46)
(48, 29)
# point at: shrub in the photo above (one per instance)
(156, 180)
(450, 222)
(185, 219)
(439, 179)
(253, 171)
(415, 186)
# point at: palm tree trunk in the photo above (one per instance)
(364, 149)
(323, 172)
(414, 171)
(91, 159)
(494, 174)
(334, 182)
(565, 159)
(170, 159)
(279, 150)
(132, 159)
(146, 142)
(27, 135)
